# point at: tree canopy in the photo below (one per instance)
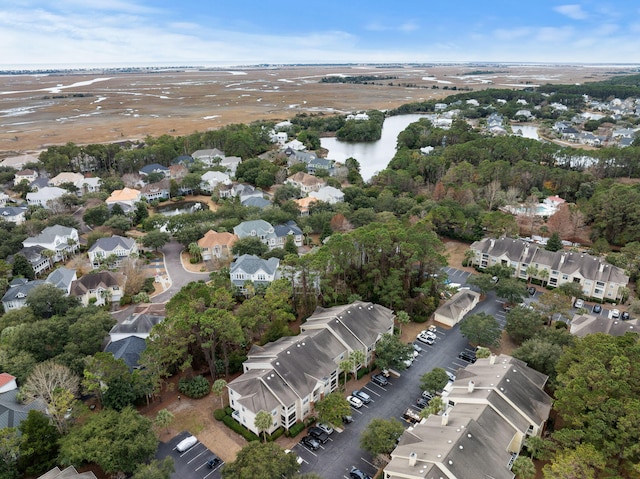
(261, 461)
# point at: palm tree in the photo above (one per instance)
(532, 271)
(357, 359)
(218, 388)
(263, 421)
(544, 276)
(163, 419)
(403, 318)
(195, 251)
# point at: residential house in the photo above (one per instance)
(306, 182)
(127, 338)
(38, 260)
(155, 168)
(328, 194)
(99, 288)
(4, 198)
(304, 204)
(287, 377)
(12, 410)
(217, 245)
(83, 185)
(230, 163)
(259, 229)
(208, 157)
(116, 246)
(256, 202)
(62, 240)
(16, 296)
(13, 214)
(570, 134)
(554, 201)
(39, 183)
(248, 267)
(492, 407)
(295, 157)
(597, 278)
(127, 196)
(242, 191)
(358, 117)
(69, 472)
(296, 145)
(178, 171)
(318, 164)
(282, 232)
(27, 175)
(19, 162)
(184, 160)
(455, 309)
(156, 191)
(211, 179)
(46, 197)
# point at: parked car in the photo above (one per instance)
(299, 460)
(363, 396)
(532, 290)
(422, 402)
(625, 315)
(468, 356)
(214, 462)
(615, 313)
(416, 348)
(354, 401)
(452, 377)
(318, 434)
(578, 304)
(379, 379)
(427, 395)
(597, 309)
(186, 444)
(310, 442)
(356, 473)
(348, 419)
(325, 427)
(427, 338)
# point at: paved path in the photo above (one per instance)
(176, 274)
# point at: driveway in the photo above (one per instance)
(178, 276)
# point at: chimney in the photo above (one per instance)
(601, 269)
(445, 419)
(493, 242)
(562, 258)
(471, 386)
(492, 359)
(413, 458)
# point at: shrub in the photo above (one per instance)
(195, 388)
(296, 429)
(125, 300)
(275, 434)
(148, 287)
(228, 410)
(237, 427)
(362, 372)
(219, 414)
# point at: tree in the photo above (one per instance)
(403, 318)
(39, 445)
(155, 239)
(481, 329)
(163, 419)
(332, 408)
(22, 268)
(511, 289)
(391, 352)
(381, 436)
(553, 303)
(290, 246)
(436, 406)
(156, 469)
(263, 421)
(524, 468)
(46, 301)
(196, 252)
(554, 243)
(484, 282)
(249, 245)
(96, 216)
(118, 442)
(540, 354)
(133, 269)
(434, 381)
(218, 387)
(118, 223)
(583, 462)
(261, 461)
(523, 323)
(57, 386)
(10, 440)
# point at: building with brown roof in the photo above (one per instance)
(99, 288)
(306, 182)
(217, 245)
(128, 196)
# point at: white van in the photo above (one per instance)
(186, 444)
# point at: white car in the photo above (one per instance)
(299, 460)
(354, 401)
(186, 444)
(427, 337)
(452, 377)
(325, 428)
(615, 313)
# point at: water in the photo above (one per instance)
(181, 208)
(373, 156)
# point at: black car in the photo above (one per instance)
(310, 442)
(468, 356)
(625, 315)
(597, 309)
(318, 434)
(379, 379)
(532, 290)
(422, 402)
(214, 462)
(347, 419)
(356, 473)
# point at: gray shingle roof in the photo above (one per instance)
(49, 234)
(112, 243)
(12, 412)
(128, 349)
(251, 264)
(21, 291)
(61, 278)
(290, 227)
(11, 211)
(261, 228)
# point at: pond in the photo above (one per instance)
(175, 209)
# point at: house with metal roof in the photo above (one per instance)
(491, 408)
(597, 278)
(286, 377)
(119, 247)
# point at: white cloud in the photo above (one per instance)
(573, 11)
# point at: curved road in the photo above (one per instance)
(178, 275)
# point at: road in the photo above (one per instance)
(178, 275)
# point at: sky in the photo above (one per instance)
(216, 32)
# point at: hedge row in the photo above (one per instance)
(296, 429)
(239, 428)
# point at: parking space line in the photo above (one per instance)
(372, 465)
(189, 450)
(203, 452)
(371, 391)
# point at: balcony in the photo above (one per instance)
(236, 415)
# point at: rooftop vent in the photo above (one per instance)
(413, 458)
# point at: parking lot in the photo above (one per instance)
(192, 463)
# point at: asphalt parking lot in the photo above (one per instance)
(192, 463)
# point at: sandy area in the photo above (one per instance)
(100, 107)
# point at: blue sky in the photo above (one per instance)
(210, 32)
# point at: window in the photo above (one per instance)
(565, 277)
(600, 283)
(554, 273)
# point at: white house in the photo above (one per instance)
(45, 197)
(211, 179)
(252, 268)
(60, 239)
(328, 194)
(117, 246)
(13, 214)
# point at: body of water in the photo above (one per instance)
(181, 208)
(373, 156)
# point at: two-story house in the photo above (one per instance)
(62, 240)
(127, 196)
(217, 245)
(156, 191)
(154, 168)
(282, 232)
(287, 377)
(99, 288)
(597, 278)
(27, 175)
(251, 268)
(16, 296)
(118, 247)
(13, 214)
(211, 179)
(306, 182)
(38, 259)
(328, 194)
(46, 197)
(260, 229)
(83, 185)
(491, 408)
